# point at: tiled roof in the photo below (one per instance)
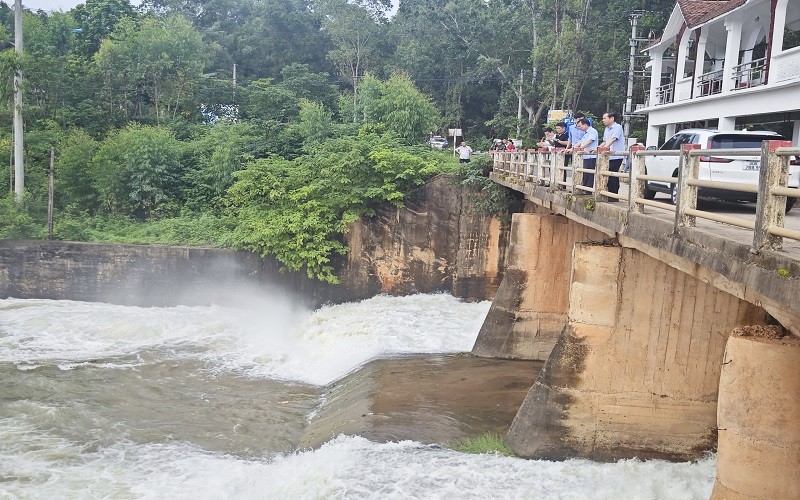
(696, 12)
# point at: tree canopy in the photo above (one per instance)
(272, 124)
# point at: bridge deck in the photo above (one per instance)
(768, 278)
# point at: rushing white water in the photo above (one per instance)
(104, 401)
(264, 339)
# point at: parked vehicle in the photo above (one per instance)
(438, 142)
(737, 169)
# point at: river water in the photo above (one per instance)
(108, 401)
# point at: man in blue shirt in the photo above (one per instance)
(614, 139)
(588, 142)
(575, 133)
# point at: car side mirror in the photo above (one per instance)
(651, 148)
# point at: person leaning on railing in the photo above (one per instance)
(589, 144)
(613, 139)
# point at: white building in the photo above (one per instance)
(748, 70)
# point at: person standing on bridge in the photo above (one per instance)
(614, 139)
(587, 143)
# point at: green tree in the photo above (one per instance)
(136, 170)
(165, 56)
(315, 123)
(74, 171)
(97, 19)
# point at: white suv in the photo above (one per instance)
(739, 169)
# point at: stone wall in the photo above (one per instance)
(433, 244)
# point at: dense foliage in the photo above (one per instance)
(271, 124)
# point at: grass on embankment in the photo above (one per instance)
(486, 443)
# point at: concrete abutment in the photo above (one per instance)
(759, 418)
(529, 310)
(635, 371)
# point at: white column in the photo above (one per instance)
(734, 41)
(656, 67)
(670, 130)
(701, 57)
(796, 133)
(683, 52)
(727, 123)
(652, 135)
(779, 27)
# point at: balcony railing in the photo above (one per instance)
(709, 83)
(751, 74)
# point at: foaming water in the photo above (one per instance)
(269, 338)
(347, 467)
(98, 400)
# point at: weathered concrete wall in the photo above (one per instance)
(530, 308)
(434, 243)
(143, 274)
(759, 417)
(636, 371)
(430, 399)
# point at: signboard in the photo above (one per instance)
(557, 115)
(454, 132)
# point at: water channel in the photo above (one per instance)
(109, 401)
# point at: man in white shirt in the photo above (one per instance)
(464, 152)
(587, 143)
(614, 139)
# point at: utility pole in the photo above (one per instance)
(519, 104)
(19, 151)
(51, 193)
(634, 43)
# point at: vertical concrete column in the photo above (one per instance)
(759, 418)
(699, 63)
(635, 373)
(529, 310)
(656, 66)
(652, 135)
(670, 131)
(732, 44)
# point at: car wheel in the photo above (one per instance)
(673, 193)
(790, 203)
(648, 193)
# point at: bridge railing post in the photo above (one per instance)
(688, 168)
(542, 155)
(635, 186)
(771, 209)
(557, 172)
(600, 177)
(533, 164)
(577, 177)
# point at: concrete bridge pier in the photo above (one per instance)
(529, 310)
(759, 417)
(635, 372)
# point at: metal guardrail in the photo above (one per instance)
(554, 168)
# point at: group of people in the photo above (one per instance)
(503, 145)
(582, 136)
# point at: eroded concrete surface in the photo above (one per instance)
(430, 399)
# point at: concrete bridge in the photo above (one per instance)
(666, 330)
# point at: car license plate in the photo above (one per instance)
(752, 165)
